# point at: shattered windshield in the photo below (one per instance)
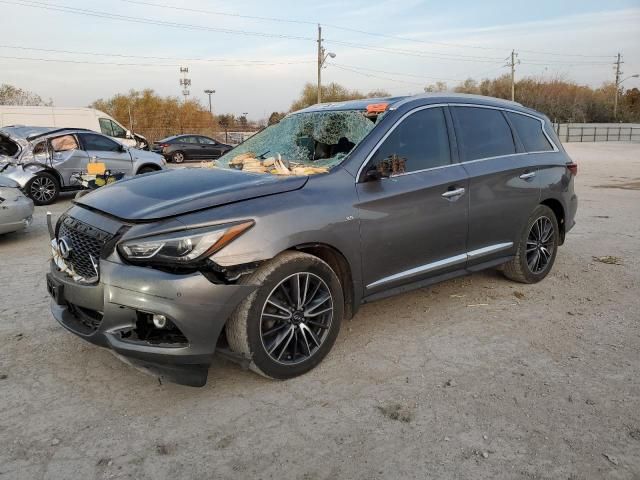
(301, 144)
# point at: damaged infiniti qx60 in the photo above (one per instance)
(262, 256)
(44, 161)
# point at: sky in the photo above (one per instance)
(76, 51)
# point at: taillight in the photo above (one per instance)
(164, 145)
(573, 168)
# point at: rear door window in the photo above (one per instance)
(64, 143)
(189, 140)
(419, 142)
(529, 130)
(483, 133)
(99, 143)
(206, 141)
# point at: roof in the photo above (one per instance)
(422, 99)
(31, 133)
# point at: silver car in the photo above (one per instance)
(44, 160)
(15, 209)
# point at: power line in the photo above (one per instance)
(87, 62)
(365, 74)
(182, 59)
(414, 53)
(147, 21)
(354, 30)
(415, 75)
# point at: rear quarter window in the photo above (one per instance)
(530, 132)
(483, 133)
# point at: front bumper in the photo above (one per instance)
(196, 306)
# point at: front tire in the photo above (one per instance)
(43, 188)
(537, 248)
(289, 324)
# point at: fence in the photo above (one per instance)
(230, 137)
(598, 132)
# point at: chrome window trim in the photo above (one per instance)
(506, 109)
(445, 262)
(435, 105)
(390, 131)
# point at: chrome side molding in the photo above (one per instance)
(445, 262)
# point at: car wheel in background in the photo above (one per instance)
(43, 188)
(146, 170)
(289, 324)
(536, 249)
(177, 157)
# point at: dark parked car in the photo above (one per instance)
(179, 148)
(336, 205)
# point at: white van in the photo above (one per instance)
(63, 117)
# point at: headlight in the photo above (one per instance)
(184, 247)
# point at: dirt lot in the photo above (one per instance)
(474, 378)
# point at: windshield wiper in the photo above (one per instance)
(263, 154)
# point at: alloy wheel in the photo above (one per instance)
(296, 318)
(178, 157)
(42, 189)
(540, 245)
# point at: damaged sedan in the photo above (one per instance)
(261, 256)
(46, 161)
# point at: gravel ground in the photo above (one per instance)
(477, 377)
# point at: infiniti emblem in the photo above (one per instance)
(64, 248)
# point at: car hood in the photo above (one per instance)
(175, 192)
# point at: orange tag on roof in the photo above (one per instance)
(377, 107)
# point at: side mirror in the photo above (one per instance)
(122, 148)
(128, 134)
(372, 174)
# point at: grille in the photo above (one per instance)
(85, 243)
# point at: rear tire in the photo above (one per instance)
(177, 157)
(289, 339)
(43, 188)
(537, 248)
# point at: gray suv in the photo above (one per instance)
(262, 257)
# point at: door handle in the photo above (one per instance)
(527, 175)
(454, 193)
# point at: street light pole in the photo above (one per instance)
(210, 92)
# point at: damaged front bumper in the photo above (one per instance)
(116, 314)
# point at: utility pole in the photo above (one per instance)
(185, 82)
(618, 62)
(320, 62)
(322, 57)
(512, 63)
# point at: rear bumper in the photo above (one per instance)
(15, 215)
(197, 307)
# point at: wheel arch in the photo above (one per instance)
(557, 208)
(340, 265)
(149, 165)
